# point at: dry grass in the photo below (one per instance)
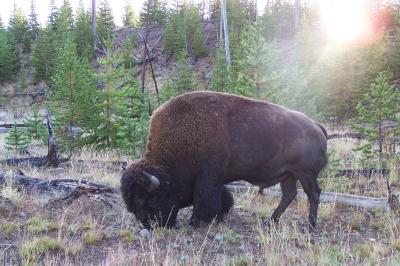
(88, 233)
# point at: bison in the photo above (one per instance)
(199, 142)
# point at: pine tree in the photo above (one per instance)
(174, 38)
(256, 66)
(105, 21)
(111, 98)
(64, 23)
(33, 21)
(44, 56)
(128, 46)
(132, 121)
(19, 25)
(26, 43)
(182, 79)
(35, 128)
(9, 58)
(220, 79)
(83, 32)
(377, 105)
(16, 140)
(23, 80)
(1, 24)
(128, 18)
(72, 97)
(156, 13)
(54, 12)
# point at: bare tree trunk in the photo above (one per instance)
(226, 35)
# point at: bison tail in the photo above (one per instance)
(323, 129)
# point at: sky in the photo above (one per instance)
(42, 8)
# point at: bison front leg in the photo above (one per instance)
(226, 203)
(207, 203)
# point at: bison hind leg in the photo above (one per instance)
(311, 188)
(226, 203)
(289, 192)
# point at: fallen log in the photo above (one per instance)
(326, 197)
(351, 173)
(70, 188)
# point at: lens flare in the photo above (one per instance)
(345, 21)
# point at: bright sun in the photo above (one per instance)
(345, 21)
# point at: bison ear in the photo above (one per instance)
(151, 182)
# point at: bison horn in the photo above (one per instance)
(154, 182)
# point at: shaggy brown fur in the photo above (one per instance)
(202, 140)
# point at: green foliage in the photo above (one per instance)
(9, 58)
(18, 25)
(1, 24)
(278, 20)
(72, 97)
(53, 16)
(17, 140)
(23, 80)
(105, 21)
(184, 31)
(128, 18)
(35, 128)
(44, 56)
(83, 33)
(33, 21)
(174, 39)
(128, 46)
(156, 13)
(378, 104)
(256, 66)
(220, 79)
(182, 79)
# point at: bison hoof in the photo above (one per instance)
(269, 222)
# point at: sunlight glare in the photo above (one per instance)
(344, 21)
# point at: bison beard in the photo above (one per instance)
(200, 141)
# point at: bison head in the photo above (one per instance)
(147, 194)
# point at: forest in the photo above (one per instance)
(77, 94)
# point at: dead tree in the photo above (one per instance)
(52, 158)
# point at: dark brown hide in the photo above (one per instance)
(202, 140)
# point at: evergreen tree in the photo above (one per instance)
(1, 24)
(182, 79)
(132, 121)
(220, 79)
(105, 21)
(83, 32)
(53, 16)
(174, 38)
(33, 21)
(111, 98)
(35, 128)
(26, 43)
(9, 58)
(19, 25)
(377, 105)
(23, 80)
(16, 140)
(156, 13)
(127, 49)
(43, 56)
(64, 24)
(72, 97)
(128, 18)
(256, 66)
